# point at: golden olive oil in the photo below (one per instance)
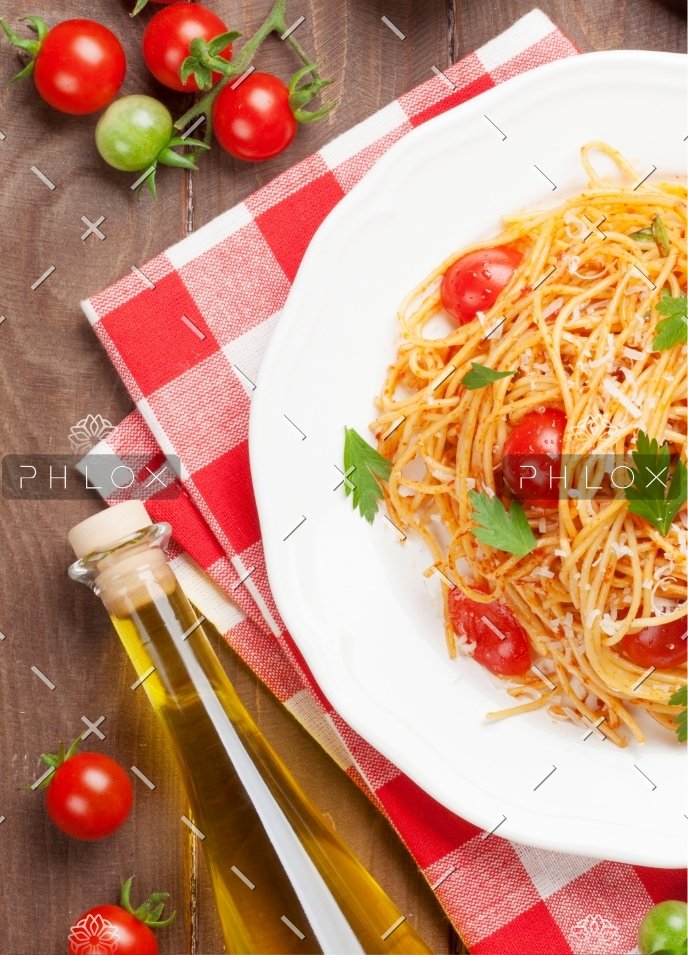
(283, 880)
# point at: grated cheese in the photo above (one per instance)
(578, 688)
(621, 550)
(608, 625)
(612, 388)
(604, 359)
(552, 307)
(464, 645)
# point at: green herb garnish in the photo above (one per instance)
(656, 233)
(480, 376)
(652, 494)
(673, 329)
(497, 527)
(363, 466)
(680, 698)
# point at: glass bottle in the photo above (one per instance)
(283, 880)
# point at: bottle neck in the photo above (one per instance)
(131, 573)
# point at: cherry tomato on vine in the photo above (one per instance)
(663, 646)
(473, 282)
(501, 645)
(167, 41)
(132, 131)
(88, 795)
(254, 121)
(535, 445)
(78, 65)
(664, 929)
(120, 929)
(137, 132)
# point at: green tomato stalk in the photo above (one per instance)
(32, 47)
(204, 60)
(150, 911)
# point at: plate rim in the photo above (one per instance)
(260, 470)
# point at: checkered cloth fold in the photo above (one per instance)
(187, 334)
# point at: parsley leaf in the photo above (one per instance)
(680, 698)
(651, 483)
(480, 375)
(656, 233)
(362, 467)
(497, 527)
(673, 329)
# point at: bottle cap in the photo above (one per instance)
(104, 529)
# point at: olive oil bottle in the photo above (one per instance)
(283, 880)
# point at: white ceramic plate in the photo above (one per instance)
(353, 597)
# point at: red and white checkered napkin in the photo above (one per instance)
(187, 334)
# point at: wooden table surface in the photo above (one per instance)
(54, 373)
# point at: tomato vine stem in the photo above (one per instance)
(275, 22)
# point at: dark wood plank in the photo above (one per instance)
(615, 24)
(53, 373)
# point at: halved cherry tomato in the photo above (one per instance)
(167, 40)
(501, 645)
(663, 647)
(254, 121)
(473, 282)
(535, 443)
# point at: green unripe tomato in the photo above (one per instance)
(664, 929)
(132, 131)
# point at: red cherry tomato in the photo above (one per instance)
(167, 40)
(663, 647)
(473, 282)
(254, 121)
(535, 443)
(501, 645)
(89, 796)
(109, 928)
(79, 67)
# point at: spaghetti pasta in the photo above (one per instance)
(575, 326)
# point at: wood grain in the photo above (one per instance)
(52, 373)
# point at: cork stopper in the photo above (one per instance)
(106, 528)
